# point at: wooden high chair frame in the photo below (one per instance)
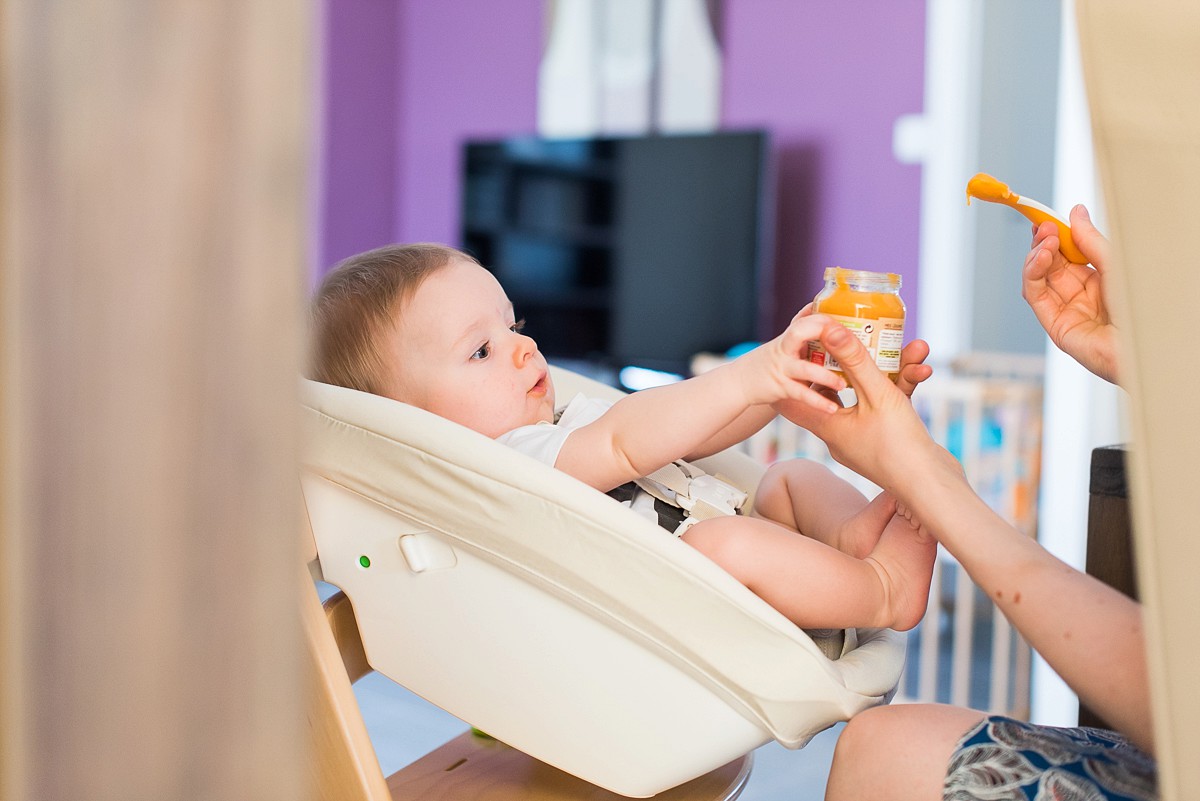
(344, 765)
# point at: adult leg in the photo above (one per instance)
(897, 753)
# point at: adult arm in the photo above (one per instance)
(1088, 632)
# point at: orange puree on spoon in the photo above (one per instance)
(985, 187)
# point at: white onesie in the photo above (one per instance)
(544, 441)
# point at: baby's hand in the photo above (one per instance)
(779, 369)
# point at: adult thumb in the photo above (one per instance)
(855, 361)
(1088, 239)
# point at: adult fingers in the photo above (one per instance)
(870, 384)
(1043, 231)
(1091, 242)
(913, 369)
(1041, 258)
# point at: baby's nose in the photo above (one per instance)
(524, 350)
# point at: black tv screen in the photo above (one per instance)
(625, 251)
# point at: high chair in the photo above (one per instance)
(550, 616)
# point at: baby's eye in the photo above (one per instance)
(484, 350)
(518, 326)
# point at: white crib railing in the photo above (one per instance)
(985, 409)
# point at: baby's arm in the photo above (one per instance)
(746, 424)
(648, 429)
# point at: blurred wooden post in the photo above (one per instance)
(1142, 70)
(152, 193)
(1109, 536)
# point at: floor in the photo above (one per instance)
(404, 727)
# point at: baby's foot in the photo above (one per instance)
(859, 534)
(904, 560)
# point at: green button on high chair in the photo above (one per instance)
(545, 613)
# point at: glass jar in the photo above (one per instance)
(869, 305)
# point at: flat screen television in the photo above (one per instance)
(625, 251)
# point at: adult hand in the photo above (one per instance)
(881, 437)
(912, 372)
(1068, 299)
(913, 369)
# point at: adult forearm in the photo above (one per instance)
(1089, 633)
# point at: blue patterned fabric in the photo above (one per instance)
(1003, 759)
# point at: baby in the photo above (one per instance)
(426, 325)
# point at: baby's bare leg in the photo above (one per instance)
(815, 585)
(808, 497)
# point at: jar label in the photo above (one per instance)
(882, 337)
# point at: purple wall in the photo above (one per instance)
(828, 79)
(405, 82)
(408, 80)
(468, 68)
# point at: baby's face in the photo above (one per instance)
(457, 351)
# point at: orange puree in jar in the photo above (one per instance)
(869, 305)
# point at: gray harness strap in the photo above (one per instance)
(700, 495)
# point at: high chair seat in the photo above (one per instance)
(548, 615)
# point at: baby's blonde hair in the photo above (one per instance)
(357, 300)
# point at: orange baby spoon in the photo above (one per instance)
(985, 187)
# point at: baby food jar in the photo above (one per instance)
(869, 305)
